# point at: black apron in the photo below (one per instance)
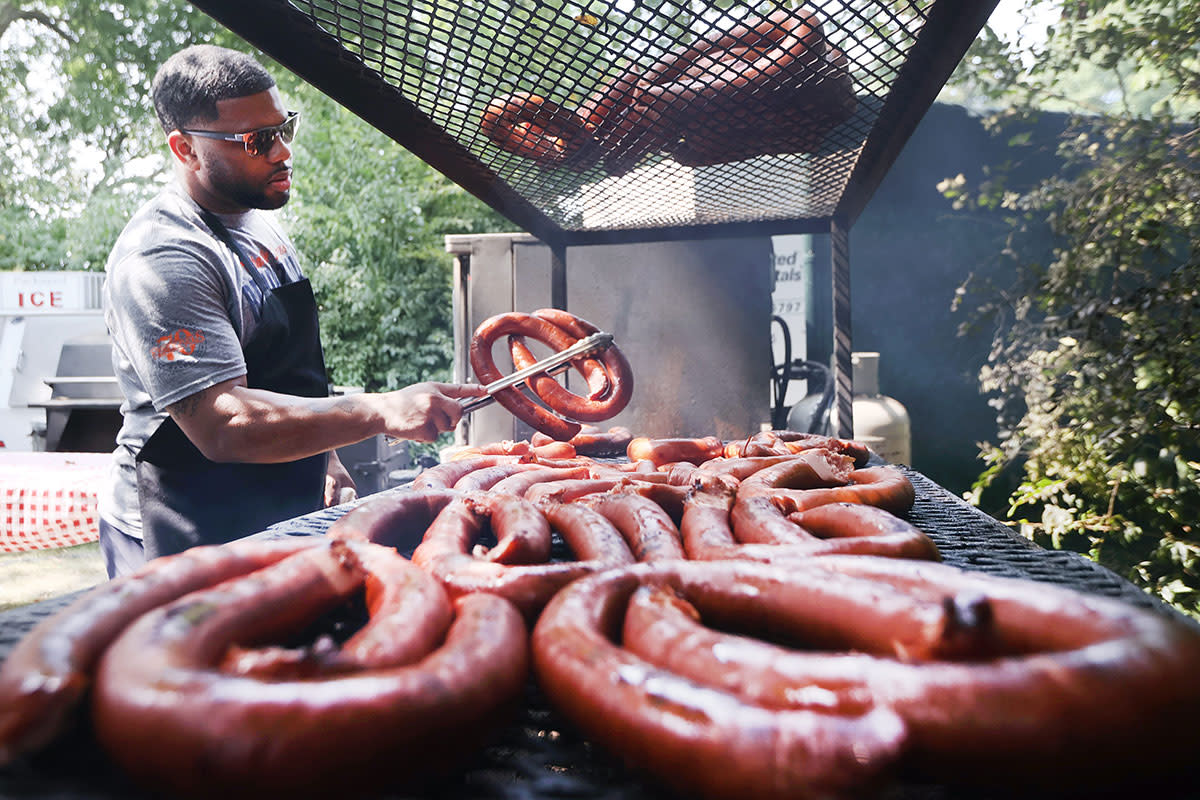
(187, 500)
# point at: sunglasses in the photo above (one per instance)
(257, 142)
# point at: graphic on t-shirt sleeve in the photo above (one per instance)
(178, 346)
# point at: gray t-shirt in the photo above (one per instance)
(178, 305)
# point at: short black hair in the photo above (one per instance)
(189, 83)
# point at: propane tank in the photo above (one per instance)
(880, 422)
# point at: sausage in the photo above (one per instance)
(603, 443)
(591, 441)
(699, 740)
(715, 525)
(766, 69)
(553, 450)
(849, 528)
(665, 495)
(588, 533)
(885, 487)
(756, 519)
(705, 527)
(854, 528)
(667, 451)
(782, 442)
(1019, 706)
(484, 366)
(520, 483)
(554, 394)
(810, 469)
(487, 477)
(397, 518)
(569, 490)
(649, 530)
(740, 467)
(602, 403)
(446, 474)
(180, 726)
(446, 553)
(758, 445)
(408, 615)
(534, 127)
(666, 630)
(505, 447)
(799, 442)
(522, 532)
(612, 387)
(608, 375)
(45, 677)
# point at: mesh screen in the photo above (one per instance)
(644, 113)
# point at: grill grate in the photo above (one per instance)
(540, 754)
(649, 120)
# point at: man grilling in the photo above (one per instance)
(228, 425)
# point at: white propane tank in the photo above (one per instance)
(880, 422)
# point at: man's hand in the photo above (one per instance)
(339, 486)
(421, 411)
(230, 422)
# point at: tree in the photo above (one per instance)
(83, 149)
(1095, 363)
(375, 240)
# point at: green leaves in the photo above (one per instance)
(1095, 363)
(370, 219)
(83, 149)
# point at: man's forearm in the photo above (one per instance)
(258, 426)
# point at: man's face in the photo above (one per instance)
(227, 179)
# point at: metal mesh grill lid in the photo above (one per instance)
(583, 119)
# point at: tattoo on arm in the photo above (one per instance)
(187, 406)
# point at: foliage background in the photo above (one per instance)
(83, 150)
(1094, 368)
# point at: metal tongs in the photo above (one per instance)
(551, 365)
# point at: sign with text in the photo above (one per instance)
(27, 293)
(791, 262)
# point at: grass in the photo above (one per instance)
(41, 574)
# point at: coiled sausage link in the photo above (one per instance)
(446, 474)
(884, 487)
(609, 375)
(447, 553)
(589, 534)
(407, 617)
(771, 443)
(649, 530)
(397, 519)
(1029, 684)
(591, 441)
(702, 741)
(177, 724)
(487, 477)
(715, 526)
(45, 677)
(521, 483)
(810, 469)
(539, 129)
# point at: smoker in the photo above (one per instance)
(83, 412)
(663, 242)
(617, 208)
(687, 316)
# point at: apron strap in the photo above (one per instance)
(221, 232)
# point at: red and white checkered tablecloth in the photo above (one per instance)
(49, 499)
